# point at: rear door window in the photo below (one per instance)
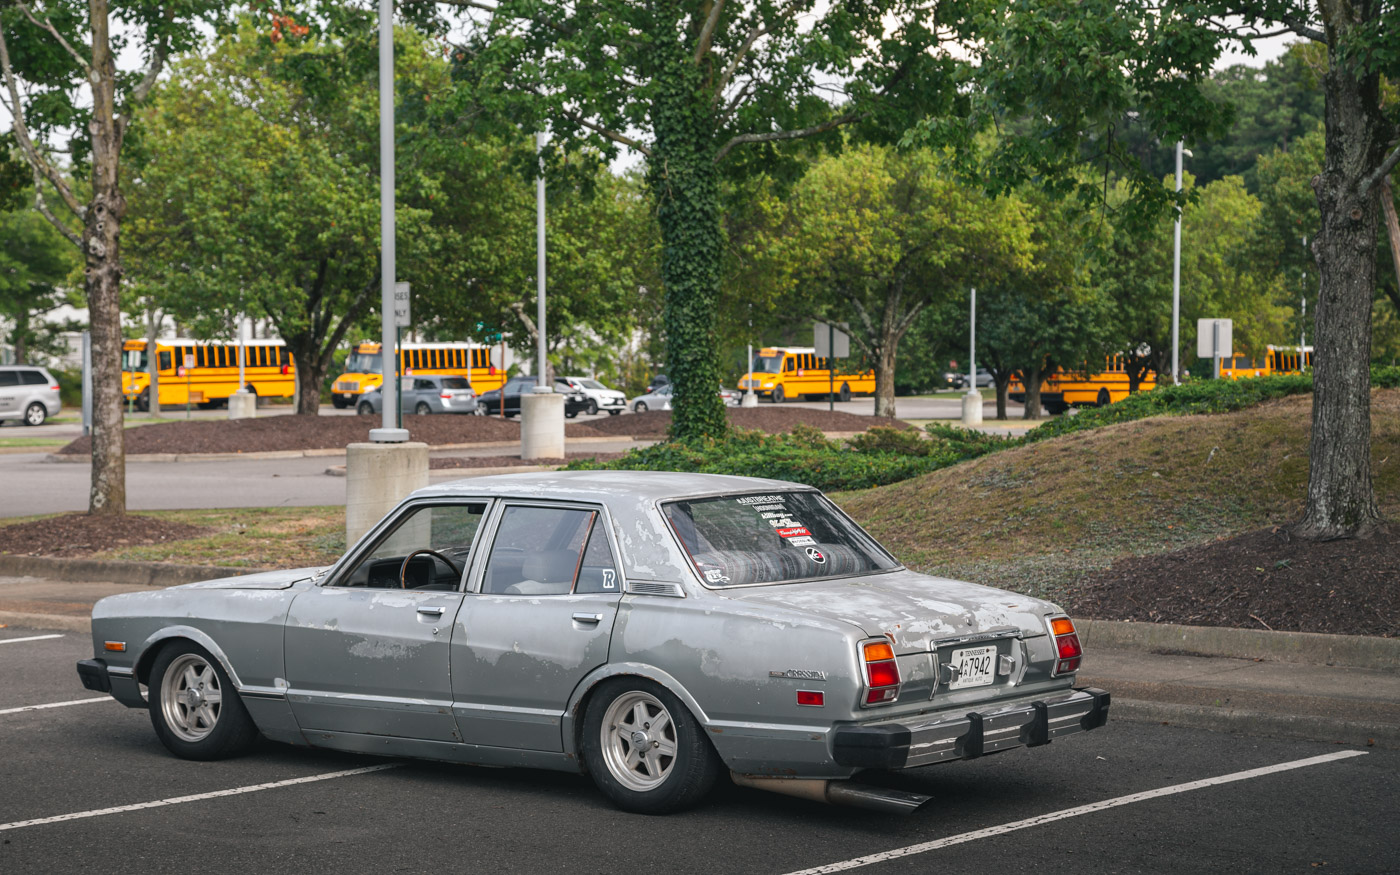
(31, 378)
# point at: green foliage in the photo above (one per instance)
(886, 439)
(1385, 376)
(36, 263)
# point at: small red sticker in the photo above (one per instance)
(793, 533)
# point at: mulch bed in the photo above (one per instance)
(1260, 580)
(77, 534)
(307, 433)
(770, 418)
(511, 461)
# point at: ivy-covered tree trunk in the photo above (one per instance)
(1341, 499)
(685, 184)
(102, 276)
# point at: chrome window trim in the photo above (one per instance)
(497, 515)
(371, 539)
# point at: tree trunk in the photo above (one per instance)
(1392, 233)
(884, 375)
(20, 338)
(102, 275)
(1341, 501)
(311, 373)
(1001, 382)
(1031, 379)
(685, 184)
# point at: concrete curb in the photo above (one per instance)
(60, 622)
(82, 459)
(464, 473)
(1306, 727)
(154, 574)
(1307, 648)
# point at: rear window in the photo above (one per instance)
(455, 383)
(772, 538)
(32, 378)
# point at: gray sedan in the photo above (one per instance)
(430, 393)
(655, 631)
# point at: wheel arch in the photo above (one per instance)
(158, 641)
(574, 714)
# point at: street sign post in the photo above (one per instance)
(1214, 339)
(831, 344)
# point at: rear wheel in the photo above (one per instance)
(1104, 398)
(35, 414)
(645, 751)
(845, 392)
(365, 409)
(422, 408)
(779, 396)
(194, 708)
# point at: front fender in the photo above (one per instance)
(167, 633)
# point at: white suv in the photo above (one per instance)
(28, 393)
(600, 397)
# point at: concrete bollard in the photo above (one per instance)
(242, 405)
(750, 399)
(541, 425)
(972, 407)
(377, 478)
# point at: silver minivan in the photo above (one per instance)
(28, 393)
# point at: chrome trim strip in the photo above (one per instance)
(993, 635)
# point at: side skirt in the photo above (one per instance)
(443, 751)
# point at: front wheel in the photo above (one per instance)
(35, 414)
(639, 407)
(645, 751)
(365, 409)
(779, 396)
(592, 407)
(194, 708)
(422, 409)
(614, 412)
(339, 402)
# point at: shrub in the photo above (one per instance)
(885, 439)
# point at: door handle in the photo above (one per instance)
(590, 619)
(432, 610)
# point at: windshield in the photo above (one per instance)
(772, 538)
(591, 384)
(767, 364)
(364, 363)
(134, 360)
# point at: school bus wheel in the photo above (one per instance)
(339, 402)
(1104, 399)
(845, 394)
(779, 396)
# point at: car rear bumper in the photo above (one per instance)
(936, 739)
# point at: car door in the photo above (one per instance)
(367, 652)
(538, 619)
(9, 391)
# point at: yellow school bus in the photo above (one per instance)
(782, 372)
(1062, 389)
(204, 372)
(1276, 360)
(364, 369)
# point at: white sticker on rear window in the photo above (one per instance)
(801, 541)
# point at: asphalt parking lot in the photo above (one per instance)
(87, 787)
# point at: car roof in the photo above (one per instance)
(23, 368)
(606, 486)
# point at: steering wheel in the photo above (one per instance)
(403, 569)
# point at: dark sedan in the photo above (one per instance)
(489, 403)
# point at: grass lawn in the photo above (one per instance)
(258, 537)
(1034, 518)
(31, 442)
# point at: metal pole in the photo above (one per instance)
(1176, 277)
(972, 347)
(87, 382)
(389, 430)
(541, 381)
(242, 354)
(830, 366)
(1215, 346)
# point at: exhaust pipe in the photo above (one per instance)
(836, 792)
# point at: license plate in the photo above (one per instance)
(976, 667)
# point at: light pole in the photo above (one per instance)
(542, 380)
(1176, 276)
(541, 411)
(972, 401)
(389, 431)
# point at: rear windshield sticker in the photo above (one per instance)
(768, 507)
(816, 555)
(759, 499)
(796, 532)
(715, 575)
(802, 541)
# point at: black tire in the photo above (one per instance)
(592, 407)
(570, 414)
(143, 401)
(365, 409)
(779, 396)
(845, 394)
(681, 780)
(209, 731)
(639, 407)
(339, 402)
(35, 414)
(1104, 398)
(422, 408)
(1054, 408)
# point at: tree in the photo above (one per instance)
(707, 89)
(1068, 73)
(46, 72)
(35, 264)
(876, 236)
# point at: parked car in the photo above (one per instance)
(657, 382)
(28, 393)
(600, 397)
(489, 403)
(958, 380)
(660, 399)
(655, 630)
(432, 393)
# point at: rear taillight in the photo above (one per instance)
(53, 388)
(881, 673)
(1068, 650)
(446, 396)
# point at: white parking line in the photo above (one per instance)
(58, 704)
(30, 638)
(1092, 807)
(198, 797)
